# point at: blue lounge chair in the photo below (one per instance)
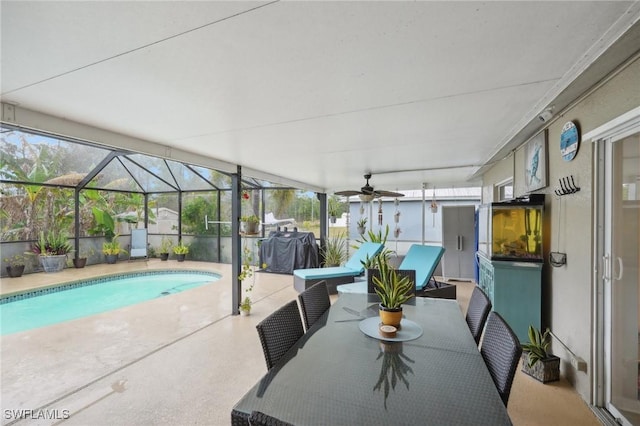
(419, 258)
(305, 278)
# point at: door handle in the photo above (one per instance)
(606, 267)
(620, 269)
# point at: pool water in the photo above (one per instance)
(95, 297)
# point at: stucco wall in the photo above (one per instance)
(567, 290)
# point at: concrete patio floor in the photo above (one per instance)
(180, 359)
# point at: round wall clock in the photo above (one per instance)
(569, 141)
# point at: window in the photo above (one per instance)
(504, 190)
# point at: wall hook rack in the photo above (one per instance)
(567, 186)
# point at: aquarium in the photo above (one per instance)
(512, 230)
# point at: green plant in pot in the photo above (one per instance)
(181, 250)
(334, 251)
(333, 209)
(249, 224)
(15, 265)
(537, 361)
(81, 260)
(393, 290)
(362, 225)
(111, 249)
(165, 248)
(52, 249)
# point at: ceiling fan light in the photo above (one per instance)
(366, 197)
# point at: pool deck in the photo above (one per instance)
(75, 364)
(179, 360)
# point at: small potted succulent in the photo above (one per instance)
(15, 265)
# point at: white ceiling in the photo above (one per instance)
(316, 92)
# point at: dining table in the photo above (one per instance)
(343, 372)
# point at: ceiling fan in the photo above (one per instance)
(368, 193)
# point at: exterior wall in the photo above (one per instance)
(502, 171)
(568, 290)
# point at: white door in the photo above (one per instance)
(618, 242)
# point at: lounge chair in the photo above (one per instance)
(423, 260)
(305, 278)
(270, 220)
(138, 248)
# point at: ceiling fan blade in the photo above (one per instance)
(381, 193)
(348, 193)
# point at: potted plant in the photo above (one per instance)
(111, 249)
(537, 361)
(393, 290)
(52, 249)
(335, 250)
(362, 225)
(165, 248)
(245, 306)
(15, 265)
(249, 224)
(333, 215)
(181, 251)
(333, 209)
(81, 261)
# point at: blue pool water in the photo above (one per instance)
(34, 310)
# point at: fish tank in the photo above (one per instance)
(512, 230)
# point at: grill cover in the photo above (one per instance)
(285, 251)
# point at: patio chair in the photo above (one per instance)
(305, 278)
(279, 332)
(314, 302)
(270, 220)
(423, 260)
(138, 247)
(477, 312)
(258, 418)
(501, 352)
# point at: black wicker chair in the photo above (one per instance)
(279, 332)
(258, 418)
(479, 307)
(501, 352)
(314, 302)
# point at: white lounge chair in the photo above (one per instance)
(270, 220)
(138, 248)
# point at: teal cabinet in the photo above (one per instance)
(515, 291)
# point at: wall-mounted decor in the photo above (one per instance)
(535, 162)
(569, 141)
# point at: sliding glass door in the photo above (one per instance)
(619, 254)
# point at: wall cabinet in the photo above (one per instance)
(515, 291)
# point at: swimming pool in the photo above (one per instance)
(80, 299)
